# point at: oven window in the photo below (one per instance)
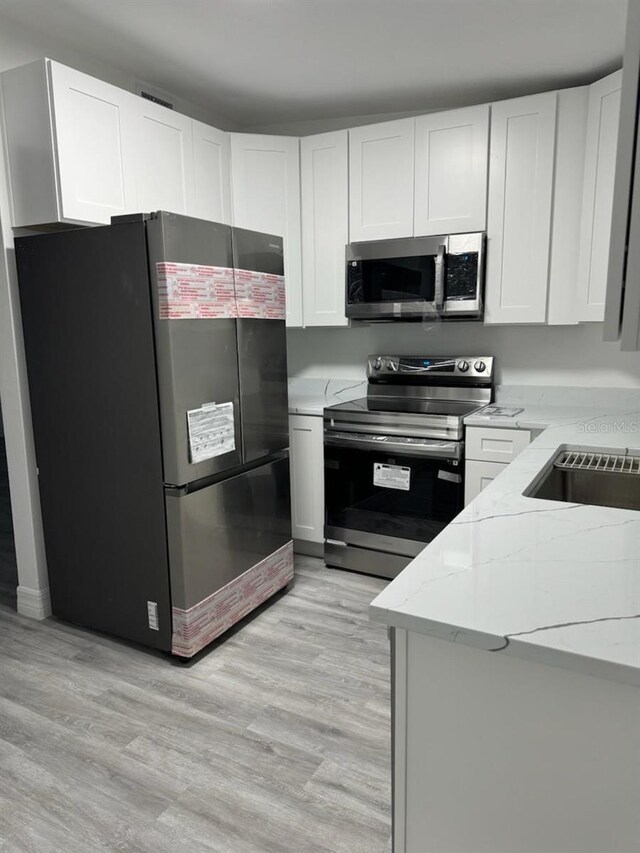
(391, 280)
(415, 504)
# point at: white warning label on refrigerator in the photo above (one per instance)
(195, 291)
(211, 431)
(391, 476)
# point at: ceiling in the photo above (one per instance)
(262, 62)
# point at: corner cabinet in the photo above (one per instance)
(307, 477)
(325, 226)
(519, 211)
(265, 183)
(381, 176)
(597, 205)
(451, 163)
(71, 146)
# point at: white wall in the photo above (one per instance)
(526, 355)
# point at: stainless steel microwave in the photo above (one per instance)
(416, 278)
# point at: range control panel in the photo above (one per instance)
(459, 368)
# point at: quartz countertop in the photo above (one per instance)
(310, 396)
(552, 582)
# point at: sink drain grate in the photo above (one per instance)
(578, 460)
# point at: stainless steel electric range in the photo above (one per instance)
(394, 461)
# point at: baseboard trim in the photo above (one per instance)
(34, 603)
(309, 549)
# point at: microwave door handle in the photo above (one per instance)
(439, 295)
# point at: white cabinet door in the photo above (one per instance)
(478, 475)
(519, 211)
(212, 173)
(571, 134)
(597, 201)
(324, 186)
(452, 162)
(94, 125)
(381, 177)
(307, 477)
(164, 159)
(265, 182)
(495, 444)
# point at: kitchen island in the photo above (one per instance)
(516, 657)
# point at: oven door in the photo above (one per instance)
(415, 278)
(390, 494)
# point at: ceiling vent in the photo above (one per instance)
(155, 95)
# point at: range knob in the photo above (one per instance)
(377, 364)
(480, 366)
(463, 366)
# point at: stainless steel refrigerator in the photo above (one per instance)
(156, 359)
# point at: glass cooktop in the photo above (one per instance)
(455, 408)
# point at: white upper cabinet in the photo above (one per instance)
(597, 201)
(452, 161)
(571, 133)
(69, 145)
(325, 227)
(212, 173)
(265, 182)
(381, 176)
(519, 212)
(164, 159)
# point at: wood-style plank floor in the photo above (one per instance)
(274, 740)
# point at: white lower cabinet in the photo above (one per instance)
(488, 451)
(307, 477)
(478, 475)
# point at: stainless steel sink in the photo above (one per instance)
(591, 477)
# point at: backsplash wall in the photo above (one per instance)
(526, 355)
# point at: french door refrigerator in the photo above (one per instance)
(156, 360)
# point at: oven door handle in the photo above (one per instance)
(439, 288)
(430, 449)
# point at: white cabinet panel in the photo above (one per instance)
(164, 159)
(381, 178)
(571, 134)
(478, 475)
(69, 141)
(265, 181)
(599, 177)
(519, 211)
(94, 126)
(325, 227)
(452, 160)
(307, 477)
(212, 173)
(494, 444)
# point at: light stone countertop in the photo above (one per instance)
(311, 396)
(552, 582)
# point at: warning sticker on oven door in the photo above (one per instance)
(211, 431)
(391, 476)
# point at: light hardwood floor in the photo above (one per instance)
(274, 740)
